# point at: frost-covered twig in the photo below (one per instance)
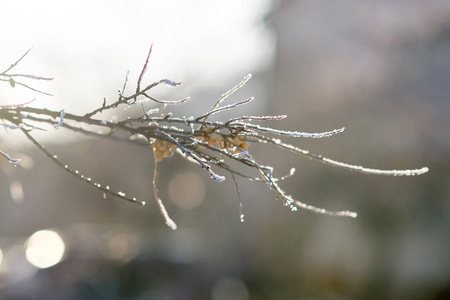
(224, 108)
(10, 159)
(229, 93)
(162, 209)
(335, 163)
(61, 119)
(238, 193)
(223, 145)
(105, 189)
(317, 135)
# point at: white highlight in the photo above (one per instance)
(44, 249)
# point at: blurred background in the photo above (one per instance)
(379, 68)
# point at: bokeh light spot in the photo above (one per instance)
(16, 190)
(44, 249)
(120, 247)
(187, 190)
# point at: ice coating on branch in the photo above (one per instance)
(317, 135)
(169, 82)
(169, 221)
(9, 158)
(210, 144)
(377, 171)
(61, 119)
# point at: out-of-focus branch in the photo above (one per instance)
(13, 78)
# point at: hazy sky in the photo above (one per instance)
(88, 46)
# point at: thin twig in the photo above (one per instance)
(317, 135)
(261, 118)
(228, 93)
(16, 106)
(125, 83)
(238, 192)
(31, 76)
(15, 64)
(223, 108)
(144, 69)
(11, 160)
(162, 209)
(28, 87)
(86, 179)
(335, 163)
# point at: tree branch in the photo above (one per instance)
(208, 144)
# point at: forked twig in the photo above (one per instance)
(13, 82)
(224, 145)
